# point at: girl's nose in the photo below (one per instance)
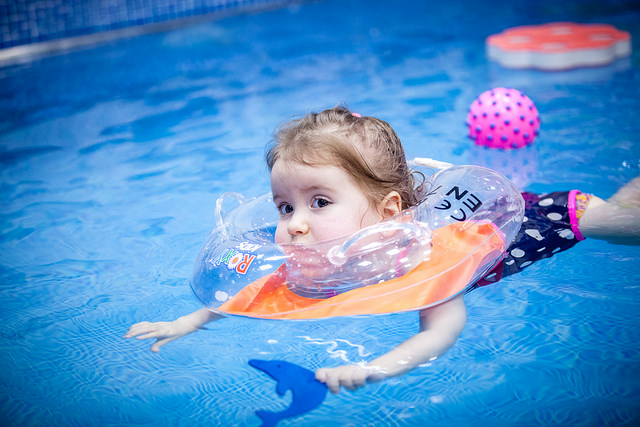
(298, 225)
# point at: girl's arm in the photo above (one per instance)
(440, 327)
(165, 332)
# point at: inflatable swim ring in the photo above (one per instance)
(558, 46)
(421, 257)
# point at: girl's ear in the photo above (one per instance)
(391, 205)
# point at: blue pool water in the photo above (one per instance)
(113, 156)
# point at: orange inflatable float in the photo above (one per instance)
(458, 252)
(558, 46)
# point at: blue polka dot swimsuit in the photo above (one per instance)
(549, 227)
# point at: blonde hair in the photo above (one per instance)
(366, 148)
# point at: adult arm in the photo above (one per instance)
(616, 220)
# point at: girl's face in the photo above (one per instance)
(318, 203)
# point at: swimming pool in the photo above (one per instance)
(112, 158)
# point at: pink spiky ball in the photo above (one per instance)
(503, 118)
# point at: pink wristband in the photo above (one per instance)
(571, 205)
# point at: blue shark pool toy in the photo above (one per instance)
(307, 392)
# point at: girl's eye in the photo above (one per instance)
(320, 203)
(285, 208)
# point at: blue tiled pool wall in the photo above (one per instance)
(32, 21)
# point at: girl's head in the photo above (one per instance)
(366, 148)
(335, 172)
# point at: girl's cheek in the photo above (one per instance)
(280, 237)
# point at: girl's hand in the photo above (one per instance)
(351, 377)
(164, 332)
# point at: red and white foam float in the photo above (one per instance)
(558, 46)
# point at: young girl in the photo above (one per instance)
(335, 172)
